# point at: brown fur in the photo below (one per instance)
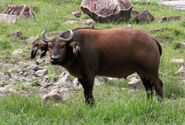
(111, 52)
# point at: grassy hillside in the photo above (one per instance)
(114, 105)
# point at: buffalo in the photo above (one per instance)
(116, 52)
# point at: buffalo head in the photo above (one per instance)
(61, 48)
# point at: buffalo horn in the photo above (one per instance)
(70, 36)
(43, 37)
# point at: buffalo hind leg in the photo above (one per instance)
(87, 85)
(158, 86)
(148, 87)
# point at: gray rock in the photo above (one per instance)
(53, 96)
(135, 83)
(17, 33)
(76, 83)
(8, 18)
(181, 72)
(14, 75)
(29, 72)
(144, 17)
(71, 21)
(63, 78)
(76, 14)
(17, 52)
(180, 45)
(7, 90)
(178, 61)
(89, 22)
(169, 18)
(41, 73)
(32, 66)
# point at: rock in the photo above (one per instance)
(32, 39)
(88, 22)
(41, 73)
(76, 83)
(7, 90)
(63, 78)
(29, 72)
(169, 18)
(181, 72)
(135, 75)
(98, 80)
(39, 60)
(19, 10)
(104, 11)
(71, 21)
(14, 75)
(178, 61)
(8, 18)
(177, 4)
(17, 52)
(144, 17)
(32, 66)
(17, 33)
(76, 14)
(180, 45)
(135, 83)
(53, 96)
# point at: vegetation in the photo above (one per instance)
(114, 105)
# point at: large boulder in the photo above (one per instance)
(19, 10)
(107, 10)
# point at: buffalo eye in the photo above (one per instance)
(62, 45)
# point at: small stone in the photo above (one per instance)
(88, 22)
(41, 73)
(180, 45)
(169, 18)
(29, 72)
(33, 66)
(40, 60)
(71, 21)
(76, 82)
(53, 96)
(181, 72)
(17, 33)
(76, 14)
(135, 83)
(63, 78)
(144, 17)
(17, 52)
(178, 61)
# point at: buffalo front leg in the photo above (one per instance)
(87, 85)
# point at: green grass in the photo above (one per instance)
(114, 105)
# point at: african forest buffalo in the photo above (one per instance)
(117, 52)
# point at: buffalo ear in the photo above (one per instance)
(76, 49)
(39, 46)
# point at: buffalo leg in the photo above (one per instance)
(158, 86)
(88, 87)
(148, 87)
